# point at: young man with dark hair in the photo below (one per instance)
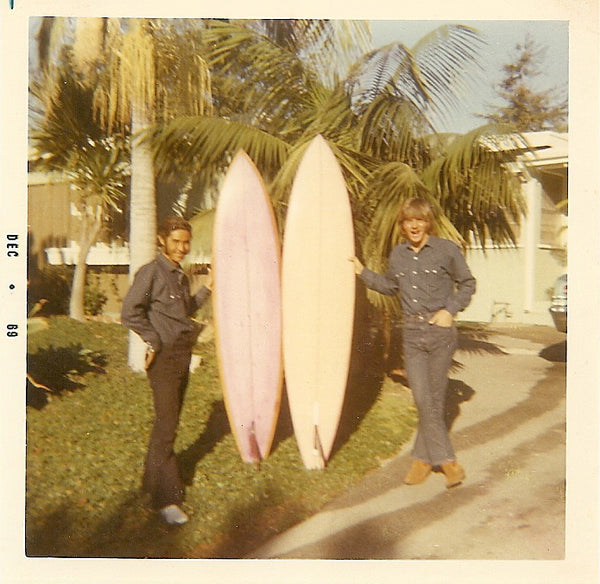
(158, 307)
(434, 283)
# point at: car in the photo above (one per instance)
(558, 306)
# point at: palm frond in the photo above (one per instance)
(386, 68)
(272, 78)
(188, 86)
(331, 47)
(430, 77)
(88, 47)
(475, 184)
(355, 166)
(197, 142)
(66, 123)
(153, 68)
(390, 130)
(447, 61)
(99, 171)
(69, 139)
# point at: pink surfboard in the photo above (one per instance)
(318, 289)
(247, 308)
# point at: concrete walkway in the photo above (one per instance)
(509, 434)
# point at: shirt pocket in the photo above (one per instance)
(402, 282)
(434, 278)
(168, 300)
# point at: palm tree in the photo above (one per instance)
(275, 88)
(139, 74)
(67, 139)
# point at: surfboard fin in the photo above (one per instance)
(318, 446)
(254, 448)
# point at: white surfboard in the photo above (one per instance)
(318, 294)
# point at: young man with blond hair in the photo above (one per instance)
(434, 283)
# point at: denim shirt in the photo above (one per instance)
(158, 306)
(435, 277)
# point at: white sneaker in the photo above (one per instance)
(173, 515)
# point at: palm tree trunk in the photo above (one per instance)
(90, 228)
(142, 227)
(76, 303)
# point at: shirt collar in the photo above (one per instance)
(428, 243)
(168, 264)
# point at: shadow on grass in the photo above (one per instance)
(368, 364)
(132, 531)
(284, 428)
(60, 369)
(217, 427)
(52, 537)
(251, 525)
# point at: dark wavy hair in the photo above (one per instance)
(172, 223)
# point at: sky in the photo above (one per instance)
(501, 37)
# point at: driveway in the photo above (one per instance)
(506, 410)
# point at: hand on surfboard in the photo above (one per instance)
(358, 267)
(208, 282)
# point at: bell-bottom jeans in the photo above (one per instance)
(168, 376)
(428, 351)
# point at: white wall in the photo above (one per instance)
(501, 294)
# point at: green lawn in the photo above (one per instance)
(86, 445)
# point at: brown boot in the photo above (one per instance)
(455, 473)
(418, 472)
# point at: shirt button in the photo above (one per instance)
(414, 287)
(415, 257)
(415, 300)
(414, 272)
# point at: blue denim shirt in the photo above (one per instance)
(435, 277)
(158, 306)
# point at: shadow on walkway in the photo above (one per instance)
(556, 353)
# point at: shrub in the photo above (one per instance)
(54, 284)
(94, 298)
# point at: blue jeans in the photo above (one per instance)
(428, 351)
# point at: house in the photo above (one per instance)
(53, 232)
(514, 283)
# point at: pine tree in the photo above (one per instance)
(528, 109)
